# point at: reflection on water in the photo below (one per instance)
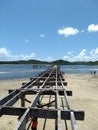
(78, 69)
(12, 71)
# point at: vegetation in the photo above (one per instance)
(57, 62)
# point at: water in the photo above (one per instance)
(78, 69)
(14, 71)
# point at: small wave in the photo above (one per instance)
(4, 72)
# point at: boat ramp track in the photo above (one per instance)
(45, 97)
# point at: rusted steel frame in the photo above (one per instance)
(50, 79)
(72, 116)
(12, 100)
(58, 112)
(11, 95)
(45, 117)
(73, 121)
(38, 77)
(22, 123)
(52, 83)
(46, 79)
(65, 96)
(46, 104)
(44, 82)
(7, 98)
(58, 125)
(30, 83)
(41, 113)
(44, 90)
(27, 100)
(15, 111)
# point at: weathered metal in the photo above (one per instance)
(48, 83)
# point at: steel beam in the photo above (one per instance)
(42, 113)
(58, 125)
(45, 91)
(49, 82)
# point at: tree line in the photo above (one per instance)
(57, 62)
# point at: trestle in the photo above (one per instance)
(49, 100)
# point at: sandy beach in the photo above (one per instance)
(85, 97)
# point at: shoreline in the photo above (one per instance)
(84, 97)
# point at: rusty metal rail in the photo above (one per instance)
(48, 83)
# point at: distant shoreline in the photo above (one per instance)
(57, 62)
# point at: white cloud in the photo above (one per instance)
(96, 51)
(5, 55)
(69, 31)
(92, 28)
(70, 53)
(66, 58)
(82, 53)
(42, 36)
(3, 52)
(94, 54)
(83, 56)
(25, 57)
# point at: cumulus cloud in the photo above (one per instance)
(42, 36)
(66, 57)
(92, 28)
(83, 55)
(25, 57)
(94, 54)
(5, 55)
(69, 31)
(70, 53)
(3, 52)
(96, 51)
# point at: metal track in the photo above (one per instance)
(49, 83)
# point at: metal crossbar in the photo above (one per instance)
(49, 83)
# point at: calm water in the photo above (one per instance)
(27, 71)
(78, 69)
(19, 71)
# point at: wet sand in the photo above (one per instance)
(85, 97)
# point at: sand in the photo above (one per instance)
(85, 97)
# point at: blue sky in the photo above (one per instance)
(49, 30)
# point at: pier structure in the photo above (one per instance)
(45, 97)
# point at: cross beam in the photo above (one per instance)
(51, 84)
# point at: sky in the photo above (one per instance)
(49, 30)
